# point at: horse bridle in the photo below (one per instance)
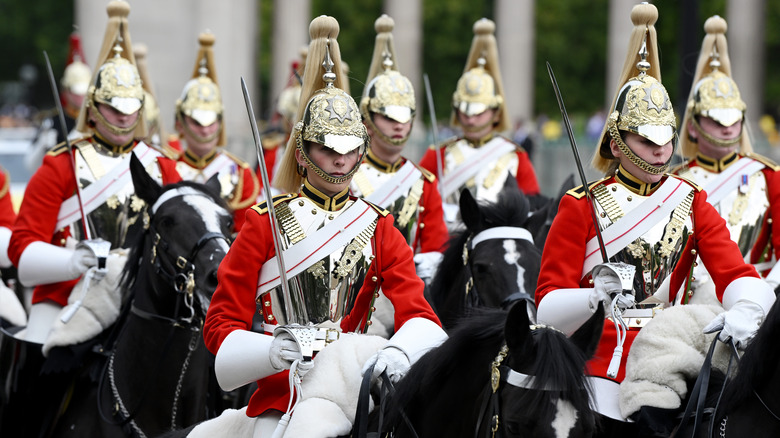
(472, 294)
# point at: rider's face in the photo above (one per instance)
(715, 129)
(332, 163)
(645, 149)
(118, 119)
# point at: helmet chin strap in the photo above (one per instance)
(378, 132)
(198, 138)
(718, 142)
(321, 173)
(108, 125)
(614, 133)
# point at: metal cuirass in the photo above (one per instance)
(743, 209)
(227, 172)
(122, 215)
(655, 253)
(488, 181)
(329, 286)
(405, 208)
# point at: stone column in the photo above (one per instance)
(515, 34)
(746, 28)
(407, 37)
(170, 30)
(290, 33)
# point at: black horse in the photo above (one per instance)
(498, 379)
(155, 376)
(491, 263)
(749, 403)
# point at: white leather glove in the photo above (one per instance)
(81, 260)
(605, 284)
(391, 360)
(739, 323)
(284, 350)
(426, 263)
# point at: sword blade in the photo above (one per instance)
(434, 131)
(576, 153)
(63, 127)
(288, 302)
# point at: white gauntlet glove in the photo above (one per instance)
(747, 300)
(426, 263)
(284, 350)
(390, 360)
(82, 259)
(610, 280)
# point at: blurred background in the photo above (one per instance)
(583, 40)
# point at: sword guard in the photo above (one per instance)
(100, 248)
(310, 339)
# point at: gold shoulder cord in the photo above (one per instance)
(363, 184)
(288, 223)
(741, 201)
(608, 203)
(673, 230)
(353, 251)
(410, 203)
(498, 170)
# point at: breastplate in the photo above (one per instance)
(405, 208)
(654, 253)
(121, 217)
(743, 209)
(488, 182)
(327, 289)
(228, 177)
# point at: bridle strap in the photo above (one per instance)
(501, 233)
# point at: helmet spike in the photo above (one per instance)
(329, 77)
(643, 65)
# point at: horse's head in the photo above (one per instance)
(542, 390)
(187, 237)
(499, 254)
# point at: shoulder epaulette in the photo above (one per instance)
(273, 140)
(382, 212)
(165, 150)
(62, 147)
(427, 174)
(764, 160)
(262, 208)
(518, 147)
(680, 167)
(690, 182)
(579, 192)
(235, 158)
(445, 143)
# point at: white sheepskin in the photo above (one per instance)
(99, 308)
(11, 308)
(383, 318)
(330, 390)
(232, 423)
(668, 351)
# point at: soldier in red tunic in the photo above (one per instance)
(744, 187)
(43, 244)
(11, 309)
(338, 251)
(409, 192)
(653, 225)
(202, 133)
(482, 159)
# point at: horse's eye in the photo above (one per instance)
(167, 222)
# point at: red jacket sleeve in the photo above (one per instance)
(526, 176)
(773, 193)
(7, 213)
(250, 188)
(432, 234)
(428, 161)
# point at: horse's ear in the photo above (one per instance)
(469, 210)
(517, 328)
(586, 338)
(214, 184)
(146, 187)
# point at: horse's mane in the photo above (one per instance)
(759, 362)
(511, 210)
(138, 246)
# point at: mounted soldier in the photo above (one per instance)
(409, 192)
(645, 219)
(64, 230)
(482, 159)
(744, 187)
(338, 251)
(11, 310)
(201, 128)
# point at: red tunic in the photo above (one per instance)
(51, 185)
(233, 304)
(432, 234)
(7, 213)
(525, 176)
(564, 254)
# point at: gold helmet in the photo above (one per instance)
(77, 75)
(480, 87)
(201, 98)
(329, 117)
(116, 82)
(714, 94)
(387, 92)
(641, 105)
(151, 108)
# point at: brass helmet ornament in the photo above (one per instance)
(480, 87)
(714, 93)
(116, 82)
(642, 105)
(387, 92)
(330, 116)
(201, 98)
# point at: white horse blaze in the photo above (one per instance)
(511, 257)
(565, 418)
(210, 214)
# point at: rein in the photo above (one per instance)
(472, 294)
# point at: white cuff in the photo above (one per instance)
(773, 277)
(243, 357)
(44, 263)
(751, 289)
(5, 237)
(565, 309)
(416, 337)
